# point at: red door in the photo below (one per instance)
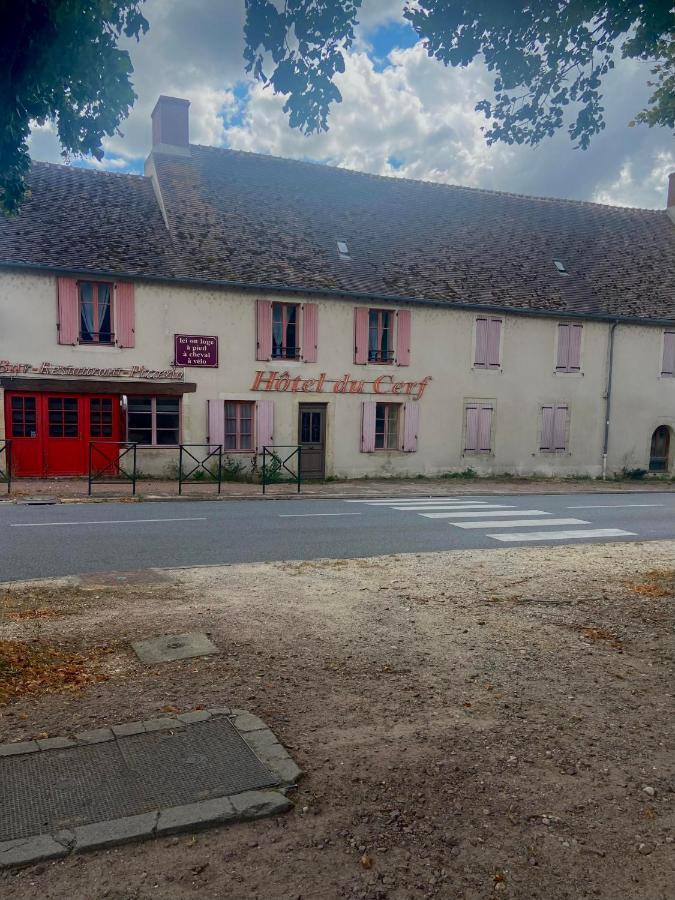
(51, 433)
(22, 417)
(64, 439)
(104, 427)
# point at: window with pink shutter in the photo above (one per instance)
(411, 421)
(668, 365)
(310, 332)
(263, 330)
(368, 414)
(554, 428)
(569, 347)
(68, 307)
(478, 427)
(125, 327)
(215, 412)
(360, 335)
(264, 424)
(488, 342)
(403, 323)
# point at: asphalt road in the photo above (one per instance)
(42, 541)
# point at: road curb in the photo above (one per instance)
(667, 487)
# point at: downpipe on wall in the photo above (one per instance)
(608, 398)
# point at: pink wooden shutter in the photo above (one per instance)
(480, 358)
(216, 422)
(361, 336)
(125, 333)
(547, 416)
(310, 331)
(264, 424)
(368, 426)
(668, 367)
(563, 347)
(471, 440)
(574, 364)
(560, 428)
(411, 421)
(493, 339)
(263, 330)
(403, 337)
(484, 428)
(69, 311)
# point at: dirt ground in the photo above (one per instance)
(472, 724)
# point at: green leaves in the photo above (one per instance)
(549, 58)
(61, 64)
(304, 45)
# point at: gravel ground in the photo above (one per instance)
(472, 724)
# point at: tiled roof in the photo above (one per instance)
(87, 221)
(259, 220)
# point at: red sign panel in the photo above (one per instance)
(196, 350)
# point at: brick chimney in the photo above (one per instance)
(670, 204)
(171, 125)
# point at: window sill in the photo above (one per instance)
(99, 348)
(488, 370)
(155, 446)
(568, 374)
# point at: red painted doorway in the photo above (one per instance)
(50, 433)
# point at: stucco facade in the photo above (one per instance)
(442, 350)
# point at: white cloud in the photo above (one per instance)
(414, 118)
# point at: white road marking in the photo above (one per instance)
(105, 522)
(312, 515)
(407, 500)
(484, 513)
(515, 523)
(614, 505)
(563, 535)
(431, 507)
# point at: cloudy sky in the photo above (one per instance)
(402, 113)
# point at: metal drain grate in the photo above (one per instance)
(44, 792)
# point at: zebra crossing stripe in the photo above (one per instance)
(435, 507)
(516, 523)
(562, 535)
(397, 500)
(484, 513)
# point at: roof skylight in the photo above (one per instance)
(560, 266)
(343, 250)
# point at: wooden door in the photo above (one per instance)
(24, 429)
(64, 435)
(312, 440)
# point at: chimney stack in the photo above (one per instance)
(171, 125)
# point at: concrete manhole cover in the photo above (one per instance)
(174, 646)
(138, 780)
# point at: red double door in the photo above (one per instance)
(50, 433)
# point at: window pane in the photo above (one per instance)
(104, 328)
(87, 326)
(277, 329)
(140, 404)
(392, 429)
(140, 435)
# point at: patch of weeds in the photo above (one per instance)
(31, 667)
(465, 473)
(631, 474)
